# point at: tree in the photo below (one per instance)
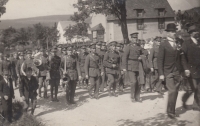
(7, 36)
(117, 8)
(2, 8)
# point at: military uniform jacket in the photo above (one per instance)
(121, 53)
(130, 60)
(13, 67)
(1, 66)
(29, 63)
(72, 67)
(6, 88)
(28, 88)
(110, 58)
(191, 58)
(153, 57)
(18, 66)
(54, 67)
(92, 65)
(102, 54)
(81, 61)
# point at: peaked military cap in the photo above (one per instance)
(92, 45)
(113, 43)
(134, 35)
(99, 43)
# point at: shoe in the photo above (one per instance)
(73, 102)
(114, 94)
(56, 100)
(138, 100)
(196, 108)
(133, 100)
(159, 92)
(185, 106)
(96, 97)
(172, 116)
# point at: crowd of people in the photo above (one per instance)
(170, 62)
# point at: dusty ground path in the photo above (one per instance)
(113, 111)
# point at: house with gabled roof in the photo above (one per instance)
(147, 17)
(61, 27)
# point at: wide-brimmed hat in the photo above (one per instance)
(171, 27)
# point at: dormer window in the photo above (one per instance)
(161, 12)
(140, 12)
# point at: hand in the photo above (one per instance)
(86, 77)
(5, 97)
(162, 77)
(139, 58)
(79, 77)
(23, 98)
(18, 76)
(113, 65)
(187, 73)
(64, 72)
(102, 73)
(152, 70)
(61, 81)
(122, 72)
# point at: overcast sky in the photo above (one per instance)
(32, 8)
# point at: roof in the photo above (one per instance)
(88, 20)
(65, 24)
(98, 27)
(149, 7)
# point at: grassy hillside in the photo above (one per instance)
(28, 22)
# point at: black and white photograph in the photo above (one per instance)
(99, 62)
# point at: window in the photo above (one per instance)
(98, 36)
(140, 24)
(161, 23)
(161, 12)
(140, 12)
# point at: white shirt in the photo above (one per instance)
(194, 40)
(171, 41)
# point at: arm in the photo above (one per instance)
(125, 58)
(87, 62)
(184, 56)
(105, 61)
(160, 60)
(151, 56)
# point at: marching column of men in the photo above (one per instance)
(100, 66)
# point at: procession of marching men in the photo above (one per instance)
(170, 63)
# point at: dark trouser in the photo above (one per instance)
(135, 87)
(54, 85)
(172, 83)
(42, 83)
(7, 109)
(156, 82)
(70, 90)
(94, 83)
(121, 82)
(33, 104)
(112, 82)
(194, 87)
(103, 82)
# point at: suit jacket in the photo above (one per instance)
(93, 65)
(28, 88)
(168, 59)
(6, 89)
(191, 58)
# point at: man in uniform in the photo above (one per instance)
(71, 73)
(92, 71)
(81, 60)
(154, 67)
(42, 71)
(54, 70)
(112, 63)
(130, 64)
(169, 68)
(1, 63)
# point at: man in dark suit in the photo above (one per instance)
(28, 90)
(7, 94)
(191, 65)
(169, 68)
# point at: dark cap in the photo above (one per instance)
(119, 44)
(158, 38)
(92, 46)
(192, 28)
(134, 35)
(99, 43)
(113, 43)
(54, 49)
(142, 42)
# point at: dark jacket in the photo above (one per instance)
(153, 57)
(168, 59)
(28, 88)
(191, 58)
(54, 67)
(6, 89)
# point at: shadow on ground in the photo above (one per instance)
(80, 98)
(159, 120)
